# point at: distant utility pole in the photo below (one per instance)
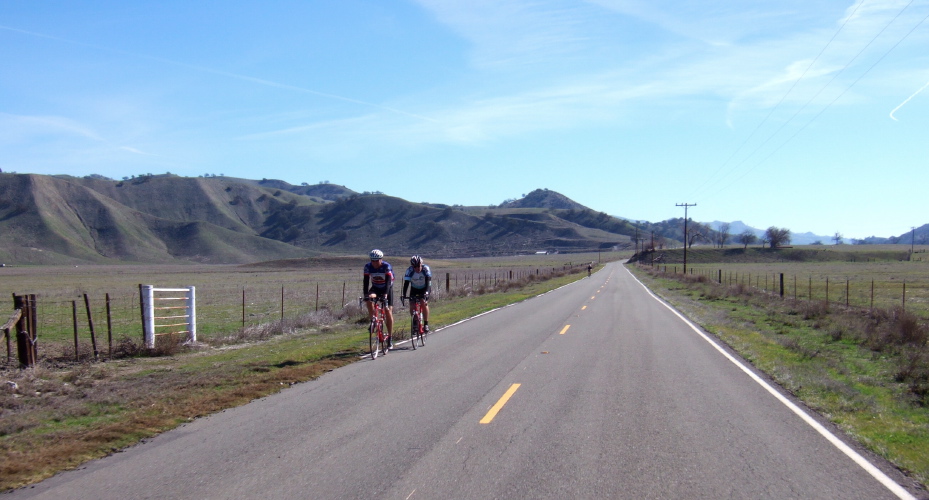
(912, 238)
(685, 205)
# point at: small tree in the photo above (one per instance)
(777, 236)
(747, 238)
(837, 238)
(696, 232)
(722, 234)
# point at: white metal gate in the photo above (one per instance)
(165, 309)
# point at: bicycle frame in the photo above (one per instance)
(417, 327)
(377, 339)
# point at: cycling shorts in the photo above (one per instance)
(419, 292)
(389, 293)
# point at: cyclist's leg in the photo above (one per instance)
(373, 341)
(370, 306)
(388, 311)
(424, 306)
(414, 324)
(382, 337)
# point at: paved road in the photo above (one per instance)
(611, 395)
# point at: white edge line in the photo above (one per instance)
(885, 480)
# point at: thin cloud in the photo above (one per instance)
(251, 79)
(23, 125)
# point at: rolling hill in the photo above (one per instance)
(167, 218)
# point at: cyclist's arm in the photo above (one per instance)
(406, 286)
(365, 284)
(388, 281)
(428, 283)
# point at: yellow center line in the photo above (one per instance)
(497, 407)
(585, 307)
(564, 329)
(594, 297)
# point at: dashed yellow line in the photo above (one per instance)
(564, 329)
(499, 405)
(584, 307)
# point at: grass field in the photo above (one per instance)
(230, 298)
(879, 276)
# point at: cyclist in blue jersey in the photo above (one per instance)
(379, 282)
(418, 279)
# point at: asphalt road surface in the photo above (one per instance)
(594, 390)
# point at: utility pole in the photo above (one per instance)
(912, 240)
(685, 205)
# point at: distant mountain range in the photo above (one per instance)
(738, 227)
(167, 218)
(919, 236)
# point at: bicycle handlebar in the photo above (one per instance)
(404, 298)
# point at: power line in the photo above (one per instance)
(772, 153)
(776, 106)
(835, 76)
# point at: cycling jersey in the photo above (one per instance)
(418, 280)
(380, 278)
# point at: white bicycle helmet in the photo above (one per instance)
(376, 254)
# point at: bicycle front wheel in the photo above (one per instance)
(373, 343)
(422, 330)
(382, 337)
(414, 329)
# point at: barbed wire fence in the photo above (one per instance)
(101, 326)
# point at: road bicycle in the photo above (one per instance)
(417, 327)
(377, 339)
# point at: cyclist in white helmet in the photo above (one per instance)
(379, 281)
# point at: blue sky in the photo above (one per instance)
(807, 114)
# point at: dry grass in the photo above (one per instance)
(56, 417)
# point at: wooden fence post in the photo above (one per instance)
(13, 321)
(109, 326)
(74, 318)
(90, 323)
(26, 329)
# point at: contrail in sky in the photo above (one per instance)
(222, 73)
(892, 117)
